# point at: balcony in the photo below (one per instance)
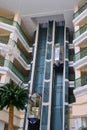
(12, 67)
(80, 10)
(80, 36)
(14, 23)
(80, 54)
(80, 82)
(4, 39)
(80, 16)
(26, 59)
(80, 31)
(80, 59)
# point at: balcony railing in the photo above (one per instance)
(80, 10)
(4, 39)
(81, 81)
(14, 23)
(80, 54)
(27, 60)
(13, 68)
(80, 31)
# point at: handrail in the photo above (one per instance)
(79, 11)
(80, 31)
(14, 23)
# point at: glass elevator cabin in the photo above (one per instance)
(49, 77)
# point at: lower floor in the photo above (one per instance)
(75, 122)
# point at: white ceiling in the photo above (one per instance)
(33, 10)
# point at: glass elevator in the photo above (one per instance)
(49, 77)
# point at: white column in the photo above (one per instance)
(78, 123)
(2, 125)
(17, 18)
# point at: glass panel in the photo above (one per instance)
(56, 119)
(81, 54)
(59, 34)
(40, 58)
(66, 118)
(46, 92)
(80, 31)
(44, 122)
(50, 31)
(47, 71)
(49, 51)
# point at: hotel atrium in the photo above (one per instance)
(43, 46)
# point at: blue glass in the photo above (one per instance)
(57, 100)
(44, 122)
(66, 118)
(47, 71)
(56, 123)
(59, 34)
(46, 92)
(40, 59)
(50, 31)
(49, 51)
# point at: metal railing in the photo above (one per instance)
(80, 10)
(80, 31)
(81, 81)
(14, 23)
(80, 54)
